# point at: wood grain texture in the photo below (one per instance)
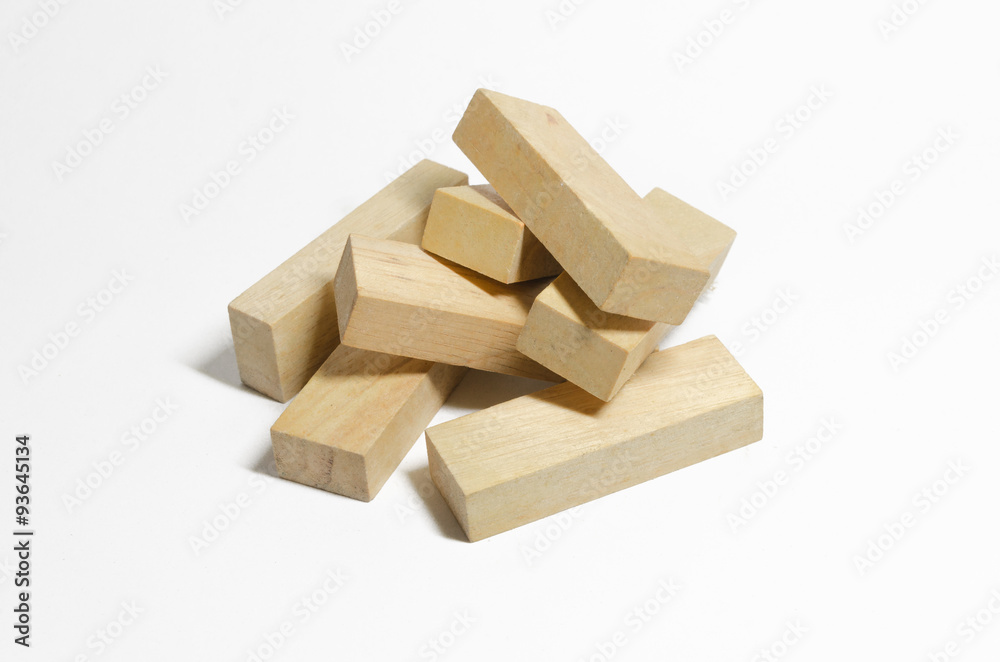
(599, 351)
(536, 455)
(285, 325)
(581, 210)
(473, 226)
(595, 350)
(396, 298)
(357, 417)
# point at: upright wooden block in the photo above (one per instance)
(285, 325)
(599, 351)
(395, 298)
(582, 211)
(356, 419)
(539, 454)
(473, 226)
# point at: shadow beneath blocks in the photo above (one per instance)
(422, 484)
(479, 390)
(220, 365)
(265, 464)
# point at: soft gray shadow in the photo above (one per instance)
(480, 390)
(420, 479)
(221, 366)
(265, 465)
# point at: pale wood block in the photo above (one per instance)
(707, 239)
(398, 299)
(595, 350)
(356, 419)
(582, 211)
(536, 455)
(599, 351)
(285, 325)
(473, 226)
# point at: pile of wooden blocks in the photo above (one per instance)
(556, 270)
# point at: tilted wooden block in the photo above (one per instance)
(285, 325)
(595, 350)
(474, 227)
(706, 239)
(355, 420)
(396, 298)
(599, 351)
(536, 455)
(581, 210)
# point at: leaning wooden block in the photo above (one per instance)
(706, 239)
(539, 454)
(595, 350)
(474, 227)
(395, 298)
(599, 351)
(582, 211)
(285, 325)
(355, 420)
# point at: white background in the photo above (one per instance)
(560, 588)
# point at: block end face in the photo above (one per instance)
(345, 288)
(447, 485)
(571, 350)
(256, 359)
(319, 465)
(656, 291)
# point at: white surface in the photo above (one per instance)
(166, 335)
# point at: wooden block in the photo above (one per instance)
(599, 351)
(536, 455)
(582, 211)
(706, 239)
(285, 325)
(355, 420)
(595, 350)
(397, 299)
(474, 227)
